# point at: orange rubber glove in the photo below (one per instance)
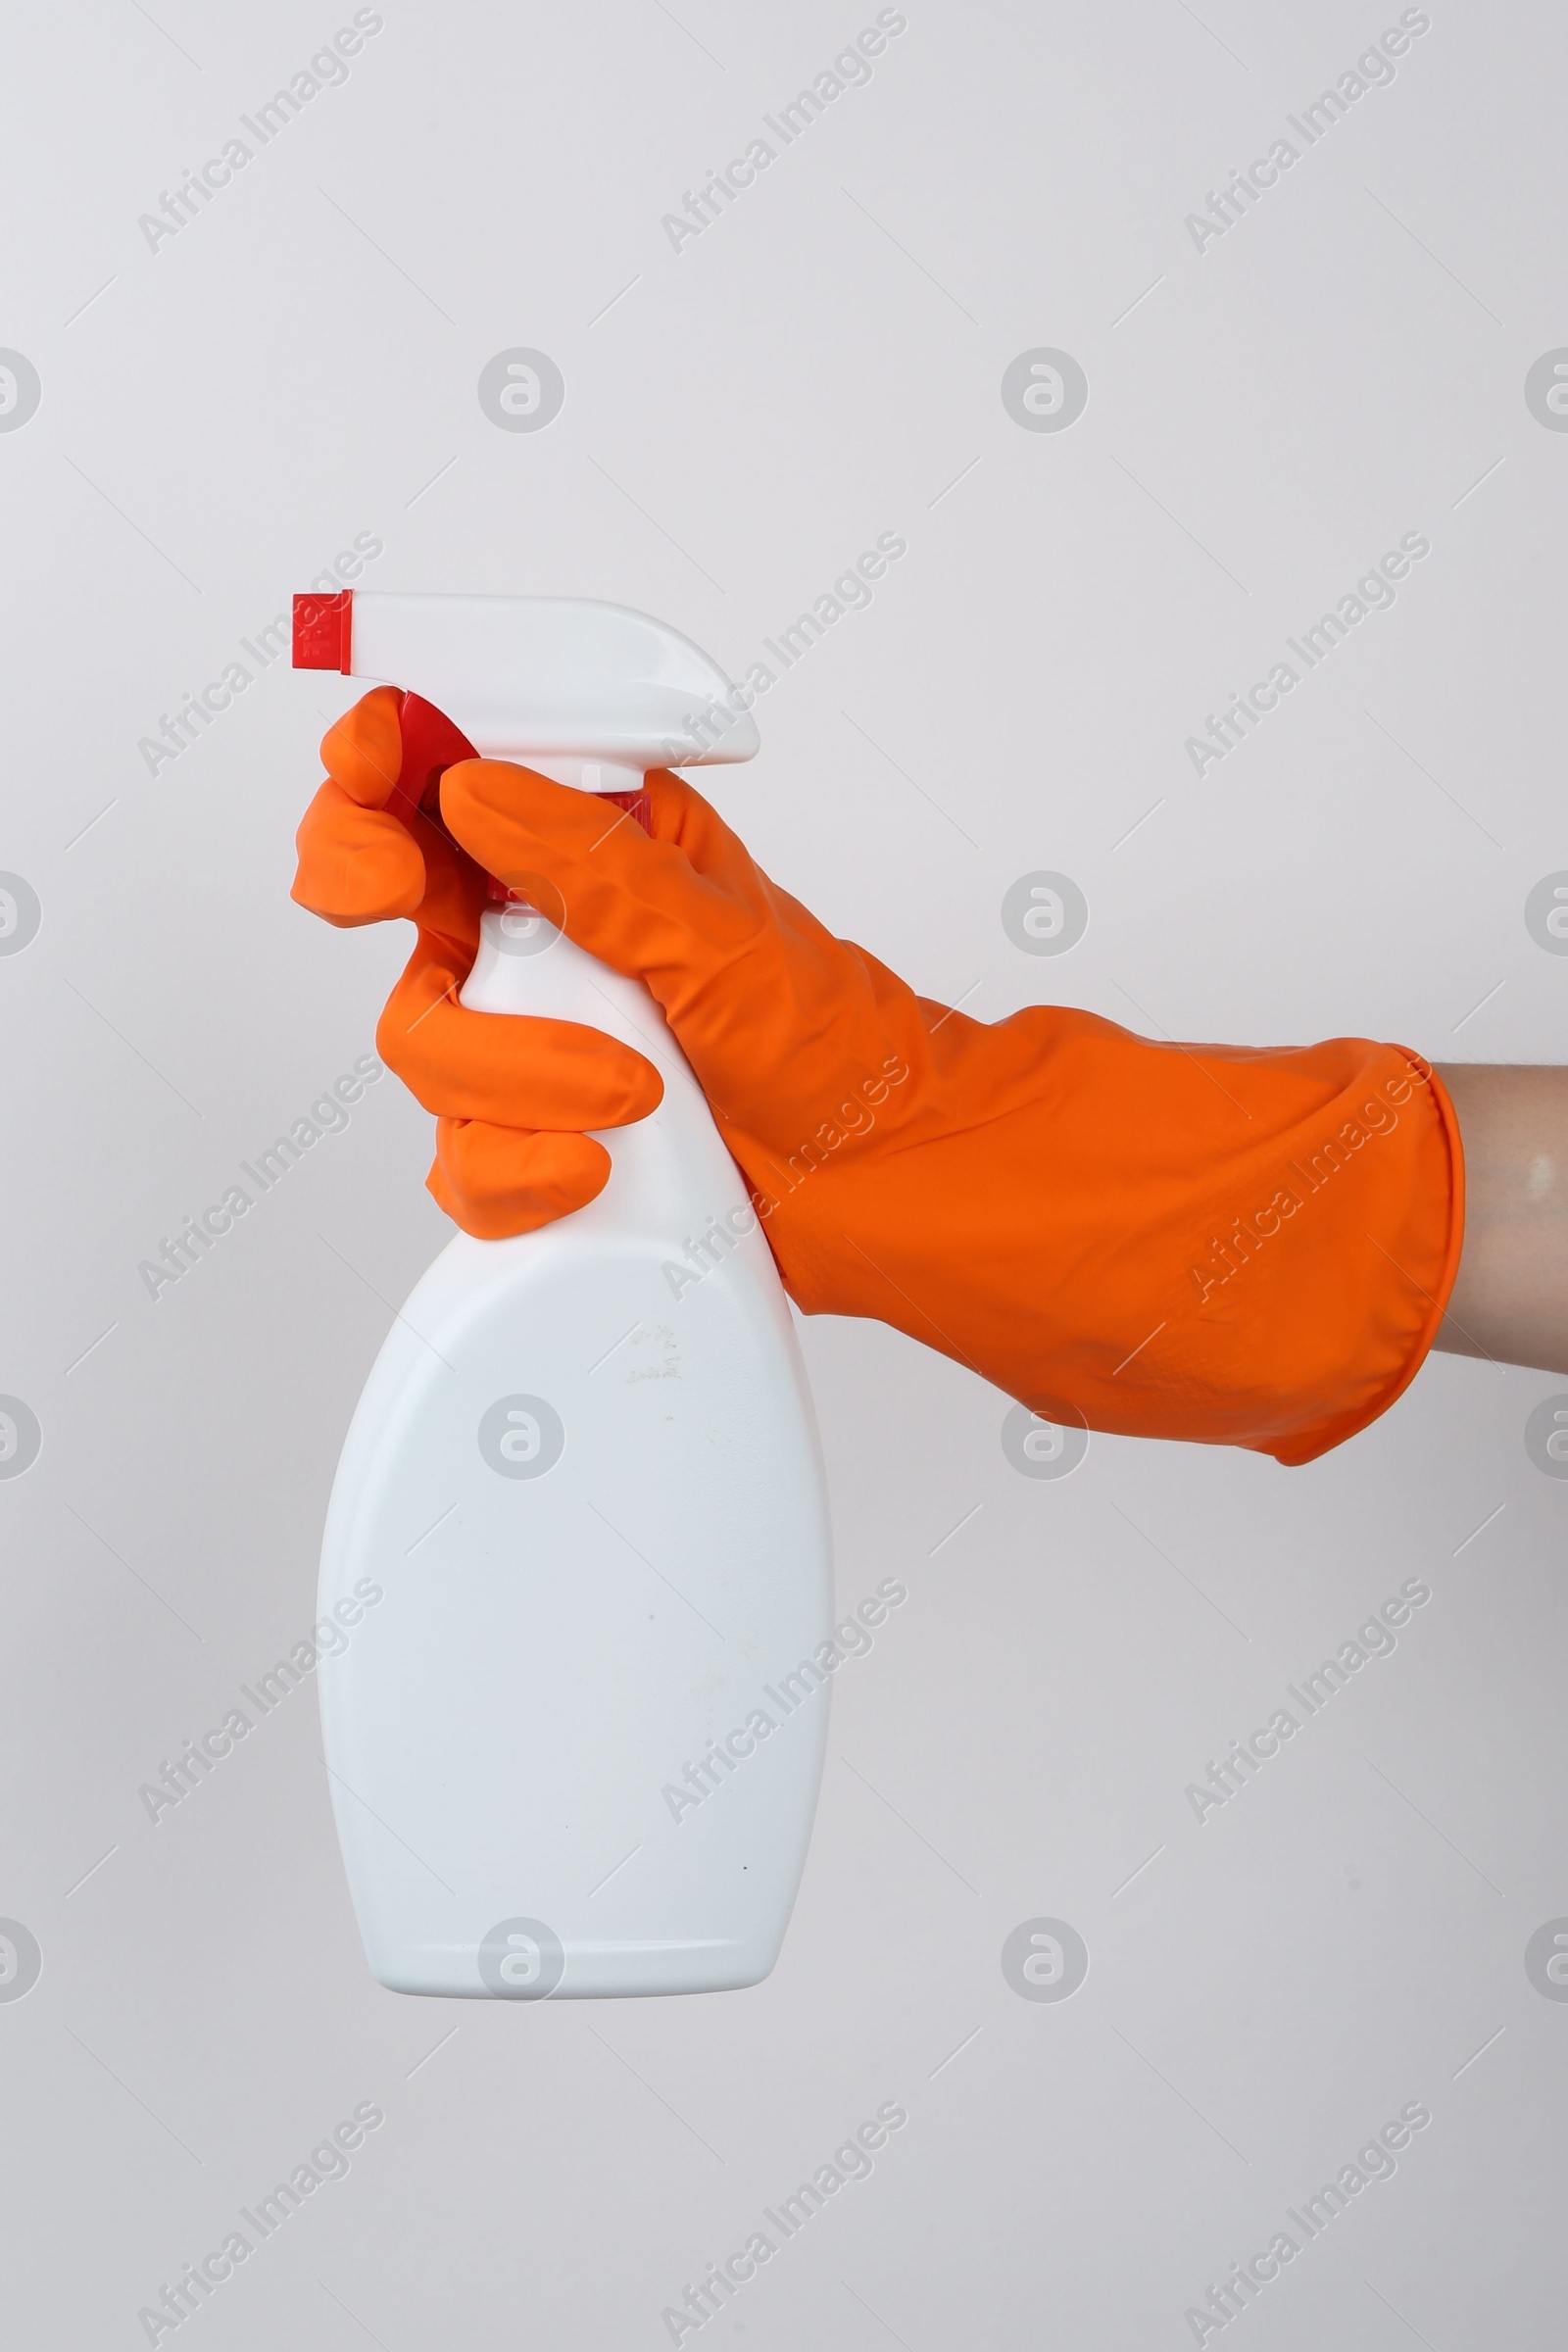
(1237, 1245)
(512, 1097)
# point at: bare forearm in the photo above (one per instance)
(1510, 1299)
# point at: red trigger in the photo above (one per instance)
(431, 744)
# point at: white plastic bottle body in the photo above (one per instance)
(576, 1737)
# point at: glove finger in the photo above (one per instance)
(678, 815)
(357, 864)
(638, 904)
(513, 1071)
(364, 751)
(773, 1013)
(494, 1180)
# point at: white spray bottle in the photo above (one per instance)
(576, 1735)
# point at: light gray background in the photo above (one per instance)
(299, 365)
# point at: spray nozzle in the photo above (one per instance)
(590, 694)
(323, 631)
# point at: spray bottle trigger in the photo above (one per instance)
(431, 744)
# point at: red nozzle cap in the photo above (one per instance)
(323, 631)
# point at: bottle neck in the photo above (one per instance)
(582, 772)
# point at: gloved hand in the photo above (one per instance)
(512, 1097)
(1236, 1245)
